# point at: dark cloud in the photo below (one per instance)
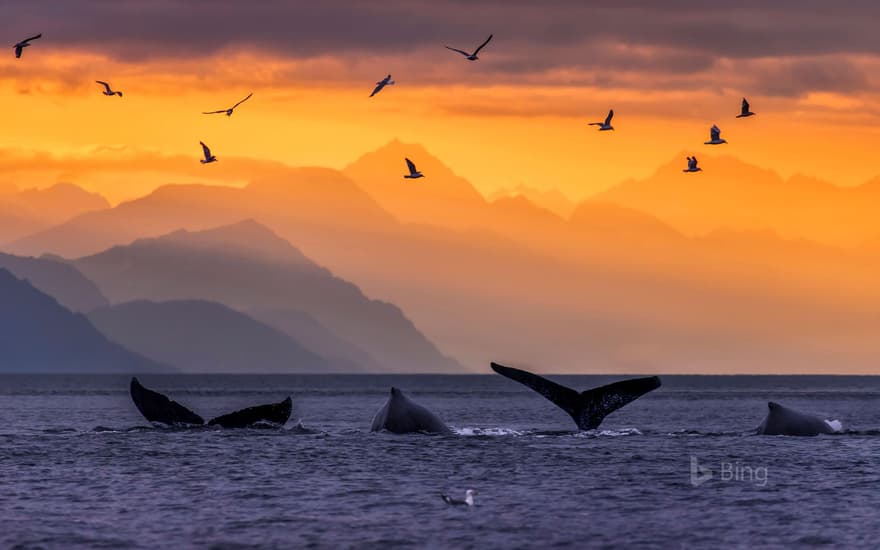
(672, 37)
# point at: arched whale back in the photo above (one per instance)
(277, 413)
(400, 415)
(784, 421)
(157, 408)
(587, 408)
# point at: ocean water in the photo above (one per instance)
(79, 467)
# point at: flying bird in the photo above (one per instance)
(107, 90)
(471, 56)
(381, 84)
(468, 499)
(715, 136)
(692, 165)
(607, 124)
(745, 110)
(209, 158)
(24, 44)
(229, 110)
(413, 173)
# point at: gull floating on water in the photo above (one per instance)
(24, 44)
(745, 110)
(468, 499)
(471, 56)
(107, 89)
(715, 136)
(229, 110)
(607, 124)
(381, 84)
(692, 165)
(413, 173)
(209, 158)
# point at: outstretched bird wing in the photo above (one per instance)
(378, 88)
(609, 117)
(462, 52)
(17, 51)
(243, 100)
(483, 44)
(205, 150)
(410, 165)
(745, 106)
(213, 112)
(26, 40)
(104, 84)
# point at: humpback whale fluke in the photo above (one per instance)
(276, 413)
(401, 416)
(784, 421)
(157, 408)
(587, 408)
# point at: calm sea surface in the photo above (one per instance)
(79, 467)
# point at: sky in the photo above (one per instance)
(518, 116)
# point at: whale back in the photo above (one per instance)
(276, 413)
(784, 421)
(157, 408)
(587, 408)
(401, 415)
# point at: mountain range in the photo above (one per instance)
(247, 267)
(628, 280)
(38, 335)
(206, 337)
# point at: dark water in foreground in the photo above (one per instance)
(74, 473)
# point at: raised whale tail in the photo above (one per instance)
(276, 413)
(587, 408)
(157, 408)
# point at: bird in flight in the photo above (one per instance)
(229, 110)
(468, 499)
(24, 44)
(715, 136)
(209, 158)
(381, 84)
(413, 173)
(471, 56)
(692, 165)
(107, 90)
(745, 110)
(607, 124)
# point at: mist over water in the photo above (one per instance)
(79, 467)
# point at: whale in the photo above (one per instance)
(784, 421)
(158, 408)
(401, 415)
(587, 408)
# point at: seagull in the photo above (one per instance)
(692, 165)
(209, 158)
(24, 44)
(413, 173)
(468, 499)
(745, 110)
(471, 56)
(715, 136)
(607, 124)
(229, 110)
(381, 84)
(107, 90)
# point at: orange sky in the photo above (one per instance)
(314, 110)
